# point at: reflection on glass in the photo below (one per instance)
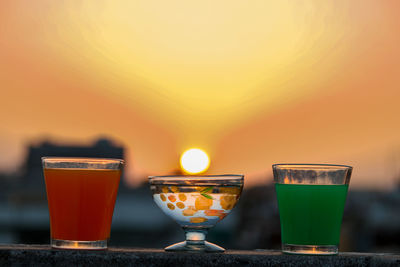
(311, 201)
(81, 194)
(196, 203)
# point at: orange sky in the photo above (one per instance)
(251, 83)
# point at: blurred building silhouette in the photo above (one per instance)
(30, 183)
(102, 148)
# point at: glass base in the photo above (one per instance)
(310, 249)
(195, 247)
(71, 244)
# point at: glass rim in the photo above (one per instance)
(310, 165)
(204, 177)
(82, 160)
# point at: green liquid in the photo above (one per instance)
(311, 214)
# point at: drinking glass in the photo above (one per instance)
(81, 194)
(311, 199)
(196, 203)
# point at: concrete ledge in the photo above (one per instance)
(26, 255)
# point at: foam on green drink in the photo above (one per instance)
(311, 214)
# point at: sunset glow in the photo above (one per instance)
(250, 83)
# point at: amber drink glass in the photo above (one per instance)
(81, 194)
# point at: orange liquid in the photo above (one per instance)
(81, 202)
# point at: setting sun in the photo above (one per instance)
(194, 161)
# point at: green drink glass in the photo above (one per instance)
(311, 199)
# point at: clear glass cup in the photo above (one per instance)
(311, 199)
(81, 194)
(196, 203)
